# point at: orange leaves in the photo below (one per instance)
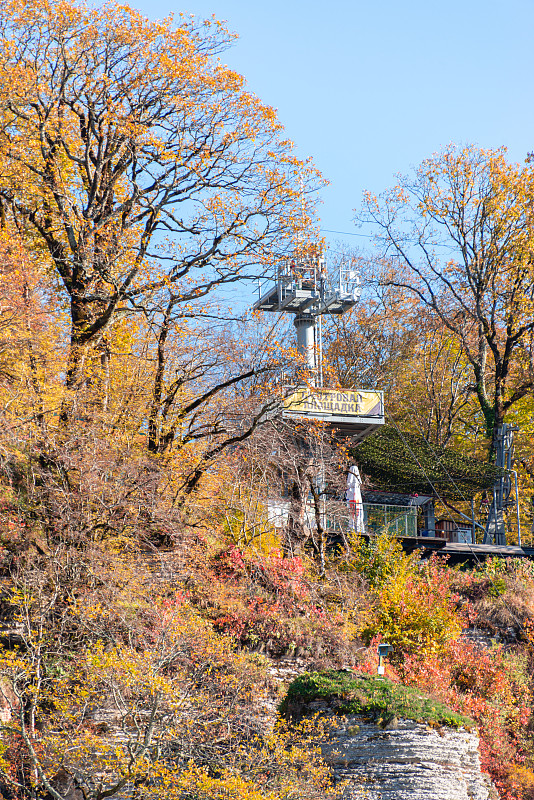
(151, 709)
(117, 129)
(459, 236)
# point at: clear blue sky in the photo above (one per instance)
(371, 89)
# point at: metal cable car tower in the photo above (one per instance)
(302, 287)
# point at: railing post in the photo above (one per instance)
(517, 508)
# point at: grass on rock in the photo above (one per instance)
(369, 696)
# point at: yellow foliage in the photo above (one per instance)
(412, 608)
(160, 706)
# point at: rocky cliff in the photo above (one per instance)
(406, 761)
(388, 741)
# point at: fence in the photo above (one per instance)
(374, 519)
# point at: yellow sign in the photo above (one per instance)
(330, 402)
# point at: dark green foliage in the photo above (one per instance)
(368, 696)
(408, 464)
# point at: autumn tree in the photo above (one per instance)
(136, 161)
(392, 342)
(119, 688)
(283, 482)
(458, 236)
(31, 326)
(140, 176)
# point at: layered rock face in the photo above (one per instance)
(406, 761)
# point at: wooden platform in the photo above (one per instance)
(462, 552)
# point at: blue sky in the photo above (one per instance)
(371, 89)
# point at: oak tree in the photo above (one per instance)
(136, 161)
(458, 235)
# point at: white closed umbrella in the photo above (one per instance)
(354, 499)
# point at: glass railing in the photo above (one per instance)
(371, 518)
(397, 520)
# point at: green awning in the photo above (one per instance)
(407, 463)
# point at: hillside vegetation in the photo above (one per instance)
(131, 669)
(146, 595)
